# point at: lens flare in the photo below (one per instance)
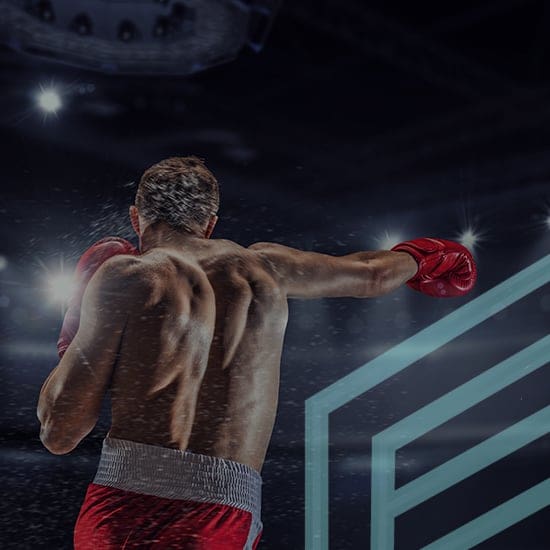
(387, 240)
(469, 238)
(49, 100)
(60, 286)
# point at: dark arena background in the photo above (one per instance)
(332, 126)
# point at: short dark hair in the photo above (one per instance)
(180, 191)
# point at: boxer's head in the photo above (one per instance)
(179, 191)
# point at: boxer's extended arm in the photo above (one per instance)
(70, 399)
(304, 274)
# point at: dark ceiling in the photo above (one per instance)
(343, 93)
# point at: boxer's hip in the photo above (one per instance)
(144, 496)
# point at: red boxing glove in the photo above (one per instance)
(88, 264)
(445, 268)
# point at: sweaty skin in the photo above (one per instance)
(191, 335)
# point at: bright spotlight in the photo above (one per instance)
(469, 238)
(49, 100)
(60, 287)
(548, 221)
(387, 240)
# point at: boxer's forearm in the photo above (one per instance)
(390, 270)
(46, 414)
(60, 431)
(67, 409)
(43, 408)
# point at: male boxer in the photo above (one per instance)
(187, 335)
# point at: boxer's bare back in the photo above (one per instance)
(200, 336)
(199, 367)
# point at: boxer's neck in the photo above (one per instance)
(162, 235)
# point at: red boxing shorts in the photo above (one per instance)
(144, 496)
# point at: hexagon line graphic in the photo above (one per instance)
(496, 520)
(387, 503)
(319, 406)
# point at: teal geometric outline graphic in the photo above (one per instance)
(386, 501)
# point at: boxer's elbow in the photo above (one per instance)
(59, 438)
(55, 444)
(55, 448)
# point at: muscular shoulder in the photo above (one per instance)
(269, 256)
(118, 284)
(237, 267)
(124, 274)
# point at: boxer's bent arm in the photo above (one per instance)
(70, 399)
(304, 274)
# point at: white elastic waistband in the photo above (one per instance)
(175, 474)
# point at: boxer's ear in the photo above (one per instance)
(134, 219)
(210, 227)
